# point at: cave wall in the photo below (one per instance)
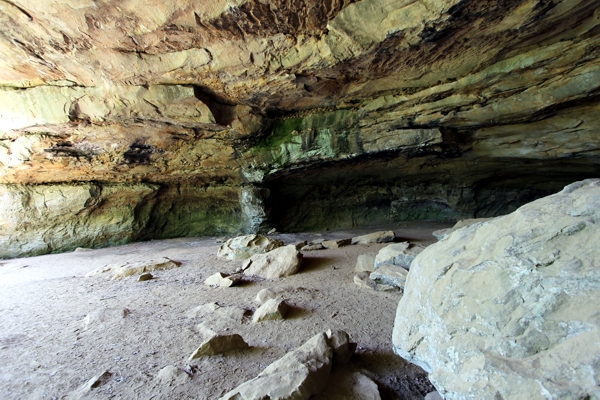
(120, 124)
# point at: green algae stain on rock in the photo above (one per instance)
(316, 137)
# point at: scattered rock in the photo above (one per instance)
(202, 310)
(504, 308)
(136, 268)
(264, 295)
(272, 309)
(347, 385)
(218, 344)
(389, 274)
(375, 237)
(401, 254)
(146, 276)
(223, 280)
(272, 231)
(343, 349)
(242, 247)
(365, 263)
(297, 375)
(221, 239)
(442, 233)
(300, 245)
(275, 264)
(99, 380)
(363, 280)
(172, 376)
(334, 244)
(81, 250)
(313, 246)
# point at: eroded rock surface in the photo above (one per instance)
(278, 263)
(509, 306)
(159, 120)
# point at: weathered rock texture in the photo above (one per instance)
(509, 307)
(237, 116)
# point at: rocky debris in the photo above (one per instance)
(348, 385)
(146, 276)
(202, 310)
(223, 280)
(94, 383)
(375, 237)
(390, 274)
(218, 344)
(334, 244)
(221, 239)
(312, 246)
(264, 295)
(105, 317)
(343, 349)
(400, 254)
(504, 307)
(363, 280)
(365, 263)
(172, 376)
(297, 375)
(278, 263)
(300, 245)
(82, 250)
(242, 247)
(442, 233)
(272, 309)
(136, 268)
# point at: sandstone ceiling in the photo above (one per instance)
(167, 118)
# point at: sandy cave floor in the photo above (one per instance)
(47, 350)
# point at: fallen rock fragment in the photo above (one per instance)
(510, 305)
(218, 344)
(297, 375)
(136, 268)
(99, 380)
(264, 295)
(272, 309)
(172, 376)
(363, 280)
(375, 237)
(146, 276)
(313, 247)
(390, 274)
(278, 263)
(401, 254)
(334, 244)
(343, 349)
(105, 317)
(300, 245)
(242, 247)
(223, 280)
(365, 263)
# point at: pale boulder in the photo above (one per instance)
(172, 376)
(222, 280)
(509, 307)
(442, 233)
(265, 295)
(400, 254)
(135, 268)
(390, 274)
(218, 344)
(242, 247)
(336, 243)
(365, 263)
(281, 262)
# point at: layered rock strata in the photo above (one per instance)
(236, 116)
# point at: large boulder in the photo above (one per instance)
(275, 264)
(509, 308)
(242, 247)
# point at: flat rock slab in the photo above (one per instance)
(363, 280)
(401, 254)
(334, 244)
(281, 262)
(135, 268)
(297, 375)
(242, 247)
(218, 344)
(313, 247)
(172, 376)
(375, 237)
